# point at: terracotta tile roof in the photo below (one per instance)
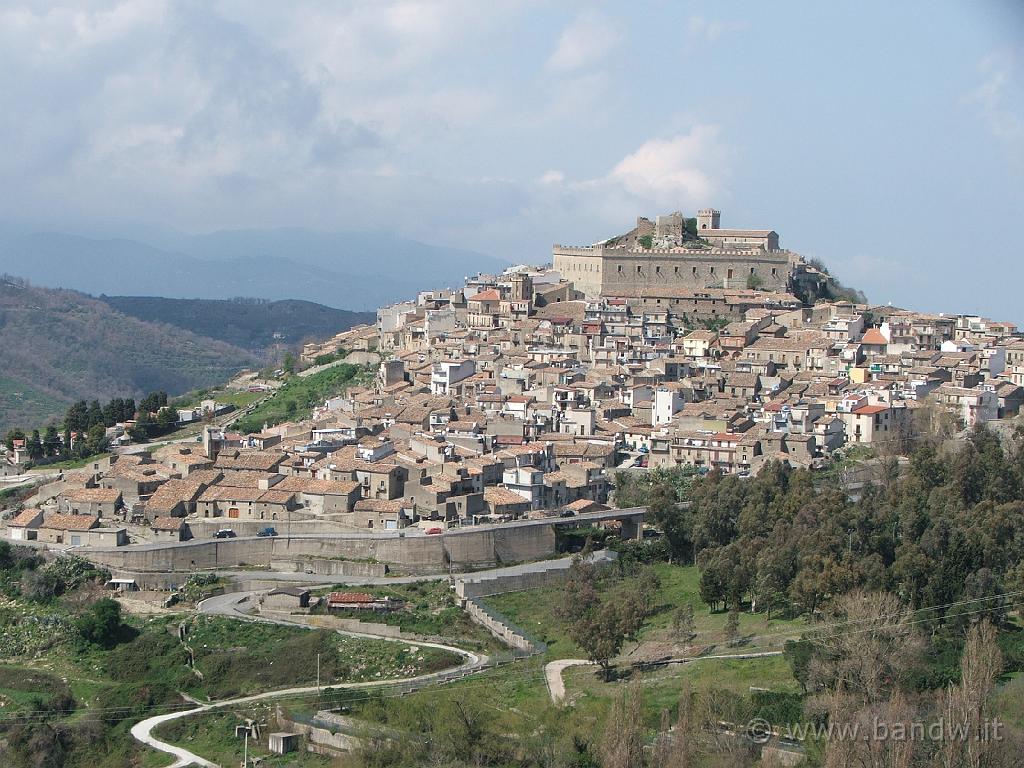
(351, 597)
(873, 336)
(488, 295)
(870, 410)
(71, 522)
(92, 495)
(24, 518)
(503, 497)
(167, 524)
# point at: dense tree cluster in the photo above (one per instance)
(600, 622)
(89, 420)
(947, 526)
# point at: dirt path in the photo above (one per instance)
(553, 674)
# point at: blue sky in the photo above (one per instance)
(885, 138)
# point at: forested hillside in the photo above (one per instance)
(60, 346)
(250, 323)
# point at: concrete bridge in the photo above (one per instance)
(406, 551)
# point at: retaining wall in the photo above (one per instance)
(499, 585)
(500, 627)
(324, 567)
(414, 554)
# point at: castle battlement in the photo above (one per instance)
(734, 257)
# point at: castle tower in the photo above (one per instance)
(708, 218)
(669, 229)
(522, 287)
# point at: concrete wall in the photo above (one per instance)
(320, 740)
(498, 585)
(412, 553)
(507, 632)
(322, 567)
(409, 554)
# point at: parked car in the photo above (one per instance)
(434, 531)
(224, 533)
(266, 532)
(567, 513)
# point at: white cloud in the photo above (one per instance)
(712, 29)
(1000, 98)
(552, 177)
(675, 169)
(588, 39)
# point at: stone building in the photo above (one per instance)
(715, 258)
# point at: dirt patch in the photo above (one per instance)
(144, 607)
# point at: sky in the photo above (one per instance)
(886, 139)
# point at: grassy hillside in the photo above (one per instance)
(299, 395)
(249, 323)
(61, 346)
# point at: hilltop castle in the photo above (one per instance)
(673, 251)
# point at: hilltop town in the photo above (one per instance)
(523, 394)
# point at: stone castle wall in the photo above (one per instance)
(596, 269)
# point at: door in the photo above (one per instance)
(233, 512)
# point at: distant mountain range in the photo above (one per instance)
(343, 270)
(246, 323)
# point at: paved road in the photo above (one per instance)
(235, 605)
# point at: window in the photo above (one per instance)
(729, 274)
(694, 271)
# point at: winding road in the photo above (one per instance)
(233, 605)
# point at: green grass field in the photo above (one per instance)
(539, 611)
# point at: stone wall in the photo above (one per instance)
(413, 554)
(596, 269)
(325, 567)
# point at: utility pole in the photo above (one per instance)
(245, 753)
(318, 677)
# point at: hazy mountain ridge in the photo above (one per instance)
(247, 323)
(343, 270)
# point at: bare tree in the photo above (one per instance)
(864, 657)
(967, 730)
(622, 740)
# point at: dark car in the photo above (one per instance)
(224, 533)
(266, 532)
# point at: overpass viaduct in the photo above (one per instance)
(407, 551)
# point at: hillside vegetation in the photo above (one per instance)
(249, 323)
(61, 346)
(299, 395)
